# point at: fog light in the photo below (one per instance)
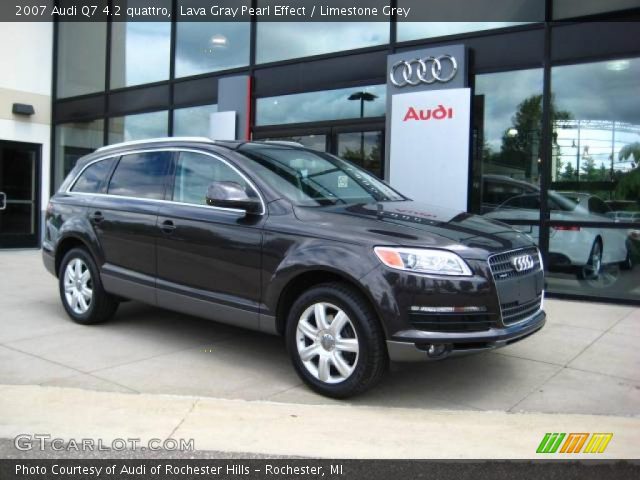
(436, 350)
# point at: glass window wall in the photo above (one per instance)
(138, 127)
(572, 8)
(193, 121)
(203, 47)
(356, 102)
(284, 40)
(507, 128)
(75, 140)
(140, 51)
(596, 166)
(82, 50)
(450, 17)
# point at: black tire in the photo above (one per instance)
(370, 362)
(593, 268)
(627, 264)
(101, 306)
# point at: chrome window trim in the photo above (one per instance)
(169, 149)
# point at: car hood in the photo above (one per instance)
(412, 223)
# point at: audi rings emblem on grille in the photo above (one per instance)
(522, 263)
(422, 70)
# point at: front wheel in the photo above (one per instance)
(335, 341)
(81, 291)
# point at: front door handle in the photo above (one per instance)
(3, 201)
(96, 217)
(167, 226)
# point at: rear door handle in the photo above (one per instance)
(96, 217)
(167, 226)
(3, 200)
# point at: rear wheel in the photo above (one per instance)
(627, 264)
(81, 291)
(593, 268)
(335, 341)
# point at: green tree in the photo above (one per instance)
(588, 168)
(632, 150)
(628, 187)
(569, 173)
(521, 142)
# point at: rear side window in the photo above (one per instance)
(94, 177)
(141, 175)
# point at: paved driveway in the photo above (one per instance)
(586, 360)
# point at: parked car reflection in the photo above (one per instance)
(587, 249)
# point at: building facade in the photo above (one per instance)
(555, 111)
(25, 131)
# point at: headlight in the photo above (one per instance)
(422, 260)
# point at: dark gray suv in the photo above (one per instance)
(292, 242)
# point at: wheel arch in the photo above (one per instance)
(68, 243)
(303, 281)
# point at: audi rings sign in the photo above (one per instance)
(428, 125)
(426, 70)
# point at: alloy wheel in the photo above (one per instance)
(78, 286)
(327, 342)
(595, 262)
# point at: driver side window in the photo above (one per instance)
(195, 172)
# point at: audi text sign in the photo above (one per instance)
(430, 146)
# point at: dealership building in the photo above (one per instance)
(535, 123)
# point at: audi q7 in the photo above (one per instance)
(289, 241)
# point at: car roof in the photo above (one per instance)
(191, 141)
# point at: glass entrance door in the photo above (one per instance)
(19, 192)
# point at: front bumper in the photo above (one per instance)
(415, 347)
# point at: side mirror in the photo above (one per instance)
(232, 195)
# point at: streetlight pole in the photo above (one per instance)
(363, 97)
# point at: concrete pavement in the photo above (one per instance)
(584, 362)
(321, 431)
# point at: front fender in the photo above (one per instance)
(298, 256)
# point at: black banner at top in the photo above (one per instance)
(512, 11)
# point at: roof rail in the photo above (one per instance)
(155, 140)
(284, 142)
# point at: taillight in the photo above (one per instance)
(572, 228)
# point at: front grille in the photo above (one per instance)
(451, 322)
(502, 268)
(514, 312)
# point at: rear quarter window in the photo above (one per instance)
(93, 178)
(141, 175)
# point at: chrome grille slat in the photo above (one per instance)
(502, 270)
(501, 266)
(514, 312)
(452, 323)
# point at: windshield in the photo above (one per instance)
(309, 178)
